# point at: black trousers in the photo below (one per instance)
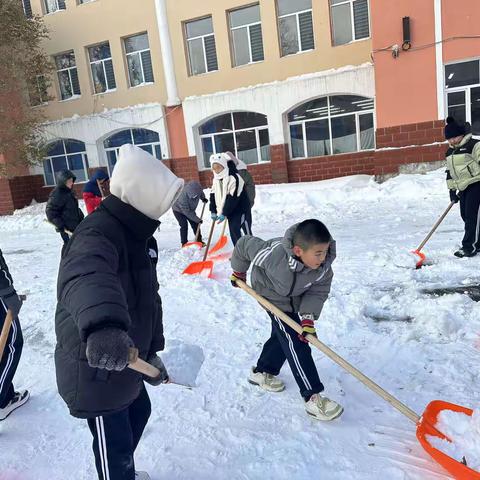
(10, 358)
(65, 239)
(284, 344)
(470, 212)
(239, 223)
(116, 436)
(183, 221)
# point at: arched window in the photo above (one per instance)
(65, 155)
(332, 125)
(147, 140)
(245, 134)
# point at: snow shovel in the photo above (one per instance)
(139, 365)
(222, 241)
(417, 252)
(205, 266)
(7, 324)
(197, 234)
(425, 423)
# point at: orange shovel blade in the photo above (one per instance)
(203, 268)
(222, 241)
(426, 426)
(421, 258)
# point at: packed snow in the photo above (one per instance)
(418, 346)
(464, 433)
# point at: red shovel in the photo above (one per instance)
(222, 241)
(425, 424)
(197, 234)
(417, 252)
(205, 267)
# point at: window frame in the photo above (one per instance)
(299, 36)
(352, 23)
(58, 9)
(467, 89)
(102, 61)
(247, 27)
(187, 49)
(74, 96)
(329, 117)
(139, 53)
(233, 132)
(66, 155)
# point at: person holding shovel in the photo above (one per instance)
(93, 191)
(463, 182)
(185, 208)
(10, 354)
(107, 303)
(229, 199)
(295, 274)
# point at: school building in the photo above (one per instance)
(301, 90)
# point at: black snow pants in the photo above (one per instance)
(183, 221)
(238, 223)
(470, 212)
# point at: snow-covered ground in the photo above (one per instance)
(418, 346)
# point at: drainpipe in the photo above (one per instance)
(439, 59)
(167, 55)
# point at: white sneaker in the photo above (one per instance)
(268, 382)
(17, 401)
(322, 408)
(142, 476)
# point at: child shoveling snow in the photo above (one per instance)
(464, 433)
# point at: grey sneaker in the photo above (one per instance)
(19, 399)
(322, 408)
(268, 382)
(142, 476)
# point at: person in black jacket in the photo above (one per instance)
(9, 300)
(108, 302)
(62, 206)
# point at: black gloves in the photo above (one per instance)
(204, 200)
(13, 303)
(108, 348)
(163, 377)
(453, 196)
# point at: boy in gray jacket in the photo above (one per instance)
(295, 274)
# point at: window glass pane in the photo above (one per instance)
(288, 35)
(118, 139)
(158, 152)
(247, 146)
(207, 147)
(241, 48)
(264, 145)
(291, 6)
(244, 16)
(342, 24)
(111, 159)
(196, 56)
(98, 77)
(224, 143)
(344, 134)
(61, 4)
(73, 146)
(99, 52)
(47, 169)
(349, 103)
(318, 138)
(147, 148)
(75, 82)
(27, 8)
(65, 60)
(51, 6)
(211, 53)
(360, 19)
(64, 84)
(75, 164)
(141, 135)
(248, 120)
(196, 28)
(367, 132)
(460, 74)
(137, 42)
(317, 108)
(135, 69)
(306, 31)
(256, 42)
(217, 124)
(111, 84)
(56, 148)
(147, 66)
(59, 164)
(296, 136)
(475, 94)
(456, 106)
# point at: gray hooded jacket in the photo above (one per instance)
(188, 200)
(282, 279)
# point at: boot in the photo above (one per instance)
(19, 398)
(322, 408)
(268, 382)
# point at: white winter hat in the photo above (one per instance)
(144, 182)
(220, 158)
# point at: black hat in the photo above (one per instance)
(453, 129)
(63, 176)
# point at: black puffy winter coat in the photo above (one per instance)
(107, 278)
(62, 206)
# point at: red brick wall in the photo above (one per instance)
(413, 134)
(6, 202)
(186, 168)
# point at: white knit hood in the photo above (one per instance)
(222, 159)
(144, 182)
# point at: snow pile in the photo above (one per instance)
(464, 433)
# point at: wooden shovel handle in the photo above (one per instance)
(410, 414)
(197, 233)
(7, 324)
(432, 231)
(139, 365)
(212, 228)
